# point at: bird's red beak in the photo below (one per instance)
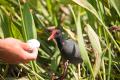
(52, 36)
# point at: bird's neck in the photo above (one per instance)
(60, 42)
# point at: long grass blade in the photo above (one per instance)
(5, 25)
(116, 5)
(83, 51)
(29, 29)
(96, 47)
(31, 71)
(84, 4)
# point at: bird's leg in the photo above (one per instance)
(65, 70)
(53, 76)
(79, 72)
(66, 66)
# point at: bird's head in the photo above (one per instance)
(55, 33)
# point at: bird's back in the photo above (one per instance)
(70, 51)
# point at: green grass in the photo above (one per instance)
(89, 22)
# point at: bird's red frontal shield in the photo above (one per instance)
(52, 36)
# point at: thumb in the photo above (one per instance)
(32, 55)
(26, 46)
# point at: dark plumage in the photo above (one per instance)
(68, 48)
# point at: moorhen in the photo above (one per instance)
(68, 48)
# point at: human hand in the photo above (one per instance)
(14, 51)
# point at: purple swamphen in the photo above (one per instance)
(69, 48)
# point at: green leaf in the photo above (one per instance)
(1, 33)
(55, 60)
(81, 43)
(96, 47)
(36, 5)
(4, 2)
(89, 7)
(66, 2)
(16, 32)
(28, 23)
(29, 29)
(49, 6)
(5, 24)
(83, 50)
(116, 5)
(85, 4)
(31, 71)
